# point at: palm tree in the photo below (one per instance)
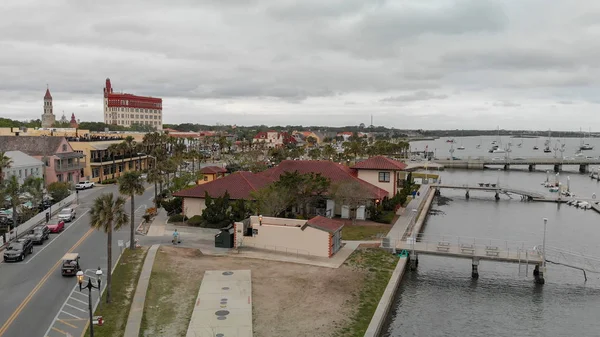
(131, 184)
(112, 150)
(13, 190)
(107, 214)
(154, 177)
(5, 162)
(35, 188)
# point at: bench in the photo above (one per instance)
(443, 246)
(491, 251)
(467, 248)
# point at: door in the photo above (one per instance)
(360, 213)
(345, 212)
(330, 208)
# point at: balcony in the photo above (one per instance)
(58, 167)
(117, 159)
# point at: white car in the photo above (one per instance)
(82, 185)
(66, 214)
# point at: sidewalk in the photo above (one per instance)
(134, 320)
(157, 227)
(409, 215)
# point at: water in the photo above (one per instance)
(441, 299)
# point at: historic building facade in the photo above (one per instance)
(127, 109)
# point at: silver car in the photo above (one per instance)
(66, 214)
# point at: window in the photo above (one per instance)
(384, 177)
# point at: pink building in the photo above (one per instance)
(62, 163)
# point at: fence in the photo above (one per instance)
(37, 219)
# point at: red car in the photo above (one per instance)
(56, 227)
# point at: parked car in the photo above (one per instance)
(38, 234)
(57, 226)
(66, 214)
(18, 249)
(44, 205)
(82, 185)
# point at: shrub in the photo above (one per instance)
(176, 218)
(172, 205)
(59, 190)
(109, 181)
(195, 221)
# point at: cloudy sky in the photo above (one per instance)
(411, 64)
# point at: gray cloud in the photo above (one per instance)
(415, 96)
(253, 59)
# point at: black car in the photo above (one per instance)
(38, 234)
(17, 250)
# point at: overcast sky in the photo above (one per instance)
(411, 64)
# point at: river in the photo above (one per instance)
(441, 299)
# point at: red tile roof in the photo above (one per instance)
(239, 185)
(212, 170)
(380, 163)
(334, 171)
(326, 224)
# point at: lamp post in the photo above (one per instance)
(89, 286)
(260, 220)
(544, 248)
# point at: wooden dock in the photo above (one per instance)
(471, 251)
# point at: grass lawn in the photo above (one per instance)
(124, 282)
(358, 232)
(171, 294)
(378, 266)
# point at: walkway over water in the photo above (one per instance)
(472, 248)
(492, 188)
(531, 162)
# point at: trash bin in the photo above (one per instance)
(224, 239)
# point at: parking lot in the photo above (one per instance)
(73, 316)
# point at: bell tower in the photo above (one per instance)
(48, 118)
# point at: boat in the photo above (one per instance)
(494, 142)
(493, 148)
(536, 148)
(554, 189)
(450, 140)
(547, 149)
(460, 148)
(585, 146)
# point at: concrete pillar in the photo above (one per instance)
(584, 168)
(467, 195)
(531, 168)
(538, 275)
(506, 167)
(557, 168)
(496, 196)
(438, 192)
(474, 266)
(414, 261)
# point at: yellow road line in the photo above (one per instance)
(27, 299)
(59, 330)
(67, 323)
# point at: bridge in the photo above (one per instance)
(492, 188)
(531, 162)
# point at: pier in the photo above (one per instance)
(481, 163)
(490, 188)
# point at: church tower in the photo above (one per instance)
(48, 116)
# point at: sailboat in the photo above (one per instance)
(461, 147)
(535, 147)
(521, 143)
(584, 146)
(547, 143)
(479, 145)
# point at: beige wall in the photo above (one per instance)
(372, 177)
(193, 206)
(280, 234)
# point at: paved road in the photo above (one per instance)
(33, 292)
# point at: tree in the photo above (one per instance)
(108, 214)
(273, 200)
(113, 149)
(59, 190)
(350, 193)
(314, 153)
(131, 184)
(308, 187)
(35, 188)
(5, 162)
(329, 152)
(13, 190)
(217, 213)
(154, 177)
(240, 210)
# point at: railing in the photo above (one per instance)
(69, 167)
(572, 259)
(109, 160)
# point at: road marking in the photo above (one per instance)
(80, 301)
(67, 323)
(62, 332)
(74, 307)
(56, 237)
(27, 299)
(70, 314)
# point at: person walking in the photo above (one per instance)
(176, 237)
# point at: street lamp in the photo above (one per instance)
(260, 220)
(544, 247)
(89, 286)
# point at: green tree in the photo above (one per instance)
(154, 177)
(314, 153)
(131, 184)
(35, 188)
(240, 210)
(273, 200)
(350, 193)
(329, 152)
(217, 213)
(59, 190)
(308, 188)
(12, 189)
(108, 214)
(5, 162)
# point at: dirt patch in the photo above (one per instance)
(288, 299)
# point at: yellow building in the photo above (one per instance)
(210, 173)
(101, 164)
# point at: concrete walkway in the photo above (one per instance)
(157, 227)
(134, 321)
(405, 220)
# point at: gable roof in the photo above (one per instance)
(380, 163)
(325, 224)
(328, 169)
(31, 145)
(239, 185)
(212, 170)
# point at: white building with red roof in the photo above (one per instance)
(382, 172)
